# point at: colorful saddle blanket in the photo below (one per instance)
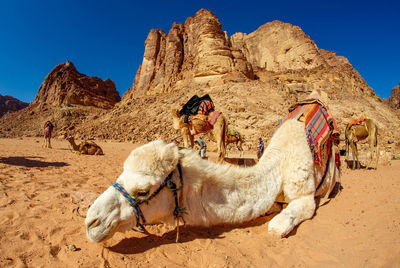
(206, 106)
(356, 121)
(319, 125)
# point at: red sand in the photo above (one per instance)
(359, 228)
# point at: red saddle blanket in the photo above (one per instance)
(319, 125)
(356, 121)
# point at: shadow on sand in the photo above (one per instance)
(351, 163)
(30, 161)
(247, 162)
(135, 245)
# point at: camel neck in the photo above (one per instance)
(73, 144)
(216, 194)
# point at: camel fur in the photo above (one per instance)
(85, 147)
(219, 131)
(355, 133)
(215, 193)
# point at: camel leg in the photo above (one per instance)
(298, 210)
(373, 151)
(240, 148)
(188, 139)
(353, 147)
(358, 164)
(221, 150)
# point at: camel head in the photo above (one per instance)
(145, 169)
(176, 119)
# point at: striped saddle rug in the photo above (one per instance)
(319, 125)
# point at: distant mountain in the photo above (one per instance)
(64, 85)
(9, 104)
(66, 97)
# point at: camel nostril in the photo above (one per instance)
(93, 223)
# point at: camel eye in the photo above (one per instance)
(142, 193)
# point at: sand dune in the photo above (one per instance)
(38, 226)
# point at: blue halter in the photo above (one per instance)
(134, 204)
(140, 220)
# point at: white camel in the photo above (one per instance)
(215, 193)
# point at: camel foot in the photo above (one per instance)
(280, 225)
(297, 210)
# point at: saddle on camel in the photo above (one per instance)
(47, 130)
(200, 114)
(322, 134)
(360, 129)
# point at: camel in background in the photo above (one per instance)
(48, 129)
(85, 147)
(232, 137)
(198, 126)
(363, 129)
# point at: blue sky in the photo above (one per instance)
(106, 38)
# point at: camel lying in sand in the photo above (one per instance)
(219, 131)
(85, 147)
(367, 129)
(203, 193)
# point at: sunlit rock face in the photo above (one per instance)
(394, 99)
(64, 85)
(198, 50)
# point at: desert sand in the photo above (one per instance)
(360, 227)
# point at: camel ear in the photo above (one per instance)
(175, 112)
(170, 156)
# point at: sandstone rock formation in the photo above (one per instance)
(67, 98)
(278, 46)
(64, 85)
(9, 104)
(394, 99)
(252, 79)
(197, 50)
(282, 48)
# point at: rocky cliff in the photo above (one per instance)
(197, 50)
(394, 99)
(64, 85)
(9, 104)
(252, 78)
(67, 98)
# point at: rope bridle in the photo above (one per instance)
(140, 219)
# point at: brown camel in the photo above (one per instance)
(85, 147)
(188, 132)
(232, 137)
(361, 131)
